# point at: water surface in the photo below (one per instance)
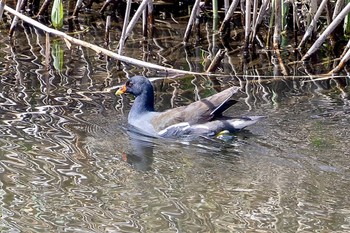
(68, 164)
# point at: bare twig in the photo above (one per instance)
(215, 9)
(216, 61)
(194, 14)
(77, 7)
(255, 12)
(326, 33)
(341, 64)
(259, 18)
(15, 19)
(126, 21)
(136, 17)
(228, 16)
(337, 8)
(277, 28)
(226, 5)
(313, 23)
(68, 39)
(43, 7)
(107, 29)
(150, 18)
(2, 5)
(247, 27)
(104, 6)
(144, 22)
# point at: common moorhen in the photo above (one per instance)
(201, 118)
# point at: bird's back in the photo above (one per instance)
(199, 112)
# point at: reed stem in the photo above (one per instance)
(194, 14)
(326, 33)
(125, 23)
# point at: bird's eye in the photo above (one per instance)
(129, 84)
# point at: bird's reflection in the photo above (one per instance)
(140, 154)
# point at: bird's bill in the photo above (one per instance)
(121, 90)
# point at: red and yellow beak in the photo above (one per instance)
(121, 90)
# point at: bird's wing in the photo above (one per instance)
(198, 112)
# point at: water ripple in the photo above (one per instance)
(68, 164)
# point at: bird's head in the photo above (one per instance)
(136, 85)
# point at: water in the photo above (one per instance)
(67, 163)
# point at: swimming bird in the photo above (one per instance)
(201, 118)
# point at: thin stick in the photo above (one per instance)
(328, 31)
(277, 28)
(215, 9)
(68, 39)
(226, 5)
(15, 19)
(295, 24)
(150, 18)
(136, 17)
(107, 30)
(126, 21)
(345, 49)
(144, 22)
(255, 12)
(215, 15)
(277, 35)
(47, 52)
(104, 6)
(341, 64)
(2, 5)
(216, 61)
(339, 4)
(259, 18)
(247, 28)
(194, 14)
(226, 22)
(43, 7)
(313, 24)
(77, 7)
(272, 18)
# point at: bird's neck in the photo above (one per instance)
(143, 103)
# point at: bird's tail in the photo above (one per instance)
(241, 123)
